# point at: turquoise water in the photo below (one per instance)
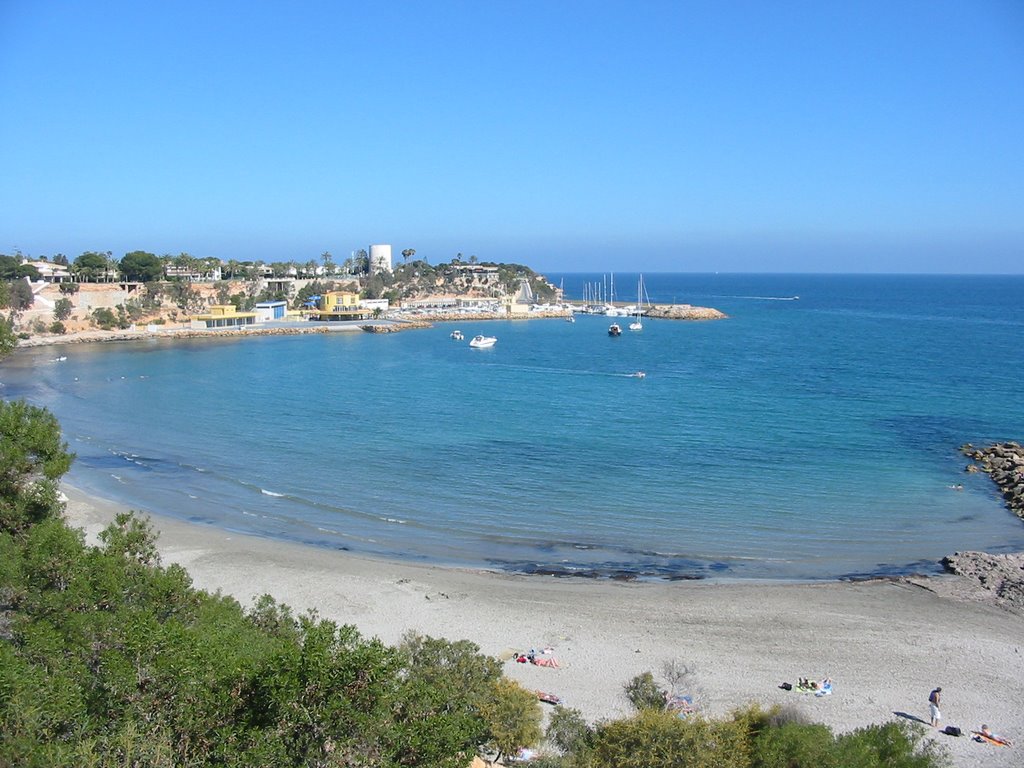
(801, 438)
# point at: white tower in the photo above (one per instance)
(380, 259)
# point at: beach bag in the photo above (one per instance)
(951, 730)
(786, 686)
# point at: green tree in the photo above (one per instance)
(142, 267)
(62, 309)
(8, 339)
(33, 457)
(513, 717)
(445, 686)
(567, 729)
(19, 295)
(90, 266)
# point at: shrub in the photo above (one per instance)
(104, 317)
(57, 327)
(659, 739)
(567, 729)
(643, 693)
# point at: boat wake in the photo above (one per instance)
(763, 298)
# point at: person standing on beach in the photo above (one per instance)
(933, 705)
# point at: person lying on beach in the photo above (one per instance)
(986, 735)
(545, 661)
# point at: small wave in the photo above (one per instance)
(265, 492)
(393, 520)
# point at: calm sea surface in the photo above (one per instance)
(801, 438)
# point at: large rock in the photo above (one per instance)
(1001, 575)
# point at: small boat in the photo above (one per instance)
(571, 319)
(457, 335)
(614, 330)
(639, 375)
(483, 342)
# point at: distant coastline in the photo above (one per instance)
(400, 322)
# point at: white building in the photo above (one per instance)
(380, 258)
(271, 310)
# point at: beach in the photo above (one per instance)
(884, 643)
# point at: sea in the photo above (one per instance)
(812, 435)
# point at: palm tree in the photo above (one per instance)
(408, 253)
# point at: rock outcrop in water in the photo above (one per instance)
(685, 312)
(1004, 463)
(1001, 575)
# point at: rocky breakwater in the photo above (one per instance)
(394, 326)
(1001, 575)
(685, 312)
(1004, 463)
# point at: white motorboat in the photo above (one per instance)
(457, 335)
(483, 342)
(614, 329)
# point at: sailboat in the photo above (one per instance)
(637, 324)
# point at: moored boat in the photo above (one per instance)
(614, 329)
(483, 342)
(457, 335)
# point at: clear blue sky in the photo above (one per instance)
(869, 136)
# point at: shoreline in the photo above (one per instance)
(884, 643)
(384, 325)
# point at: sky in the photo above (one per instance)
(732, 136)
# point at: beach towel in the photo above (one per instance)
(681, 705)
(991, 739)
(548, 698)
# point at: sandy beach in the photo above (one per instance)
(885, 644)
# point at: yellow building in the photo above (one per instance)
(223, 316)
(339, 305)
